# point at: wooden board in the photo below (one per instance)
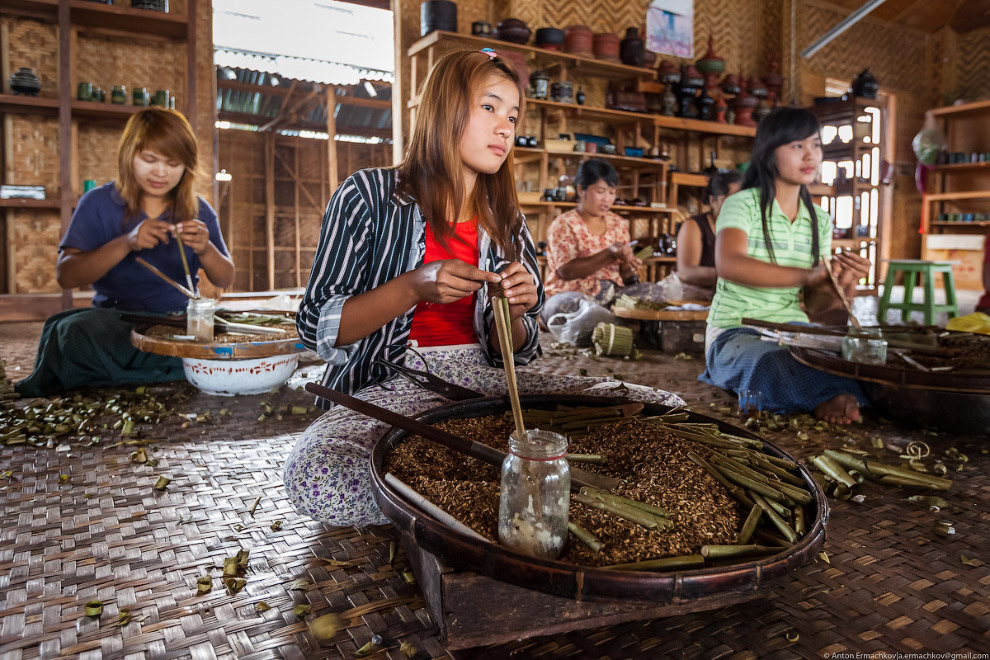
(660, 314)
(214, 351)
(512, 612)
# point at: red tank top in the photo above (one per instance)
(435, 324)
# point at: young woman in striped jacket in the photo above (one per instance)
(405, 261)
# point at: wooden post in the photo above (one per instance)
(332, 132)
(270, 206)
(64, 127)
(295, 188)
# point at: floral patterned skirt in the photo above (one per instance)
(328, 473)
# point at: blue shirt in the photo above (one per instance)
(99, 218)
(372, 234)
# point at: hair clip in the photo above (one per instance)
(489, 52)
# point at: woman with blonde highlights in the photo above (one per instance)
(406, 262)
(152, 202)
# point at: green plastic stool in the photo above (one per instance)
(928, 269)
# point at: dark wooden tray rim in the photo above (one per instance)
(948, 381)
(582, 582)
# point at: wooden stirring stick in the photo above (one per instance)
(165, 277)
(842, 294)
(185, 265)
(500, 307)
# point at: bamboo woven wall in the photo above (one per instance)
(31, 142)
(973, 64)
(301, 186)
(32, 44)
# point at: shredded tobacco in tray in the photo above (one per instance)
(652, 463)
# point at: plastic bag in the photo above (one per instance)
(928, 142)
(976, 322)
(574, 322)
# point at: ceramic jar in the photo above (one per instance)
(25, 81)
(730, 84)
(84, 91)
(481, 29)
(711, 65)
(606, 46)
(119, 94)
(513, 30)
(437, 15)
(632, 50)
(550, 38)
(668, 73)
(539, 85)
(774, 83)
(140, 96)
(865, 85)
(578, 40)
(562, 91)
(757, 88)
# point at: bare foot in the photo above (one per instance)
(841, 409)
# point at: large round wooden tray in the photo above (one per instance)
(954, 400)
(584, 582)
(898, 376)
(245, 350)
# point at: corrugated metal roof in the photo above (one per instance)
(298, 68)
(254, 105)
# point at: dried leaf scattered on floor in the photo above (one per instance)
(301, 610)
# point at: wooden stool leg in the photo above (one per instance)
(950, 293)
(910, 277)
(888, 286)
(929, 277)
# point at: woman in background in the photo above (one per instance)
(152, 201)
(696, 239)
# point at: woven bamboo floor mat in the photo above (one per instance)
(106, 534)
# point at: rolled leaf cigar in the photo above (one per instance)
(781, 510)
(699, 437)
(753, 485)
(587, 458)
(649, 508)
(667, 563)
(749, 526)
(782, 473)
(585, 537)
(729, 551)
(778, 522)
(875, 470)
(830, 467)
(767, 536)
(799, 524)
(738, 493)
(632, 514)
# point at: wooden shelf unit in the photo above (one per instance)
(73, 17)
(955, 213)
(866, 148)
(640, 177)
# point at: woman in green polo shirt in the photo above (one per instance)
(770, 238)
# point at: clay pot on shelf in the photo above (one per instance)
(539, 85)
(743, 106)
(550, 38)
(562, 91)
(668, 73)
(481, 29)
(632, 50)
(578, 40)
(774, 83)
(756, 88)
(730, 84)
(513, 30)
(606, 46)
(25, 81)
(649, 58)
(437, 15)
(705, 103)
(865, 85)
(710, 65)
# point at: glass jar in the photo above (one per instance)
(199, 318)
(871, 349)
(535, 494)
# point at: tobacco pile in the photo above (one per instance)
(651, 460)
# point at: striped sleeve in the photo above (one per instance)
(339, 267)
(738, 212)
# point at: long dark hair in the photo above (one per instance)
(431, 169)
(718, 184)
(782, 126)
(594, 170)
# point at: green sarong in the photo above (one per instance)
(92, 348)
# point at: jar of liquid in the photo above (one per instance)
(535, 494)
(199, 319)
